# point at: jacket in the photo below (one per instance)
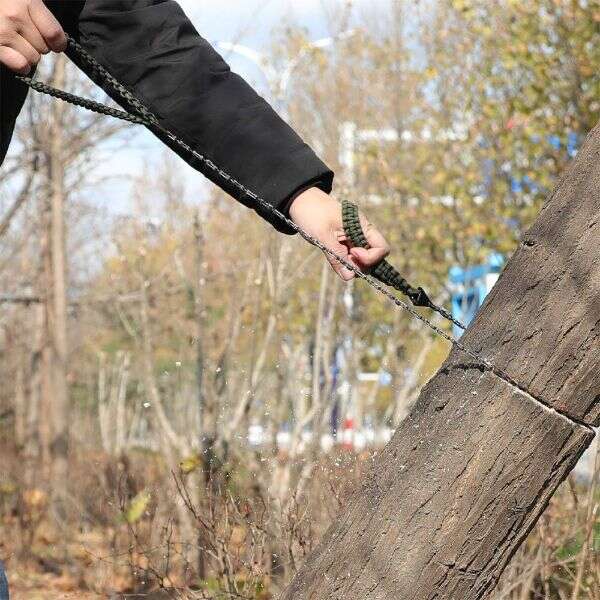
(152, 48)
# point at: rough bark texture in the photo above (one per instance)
(541, 323)
(467, 474)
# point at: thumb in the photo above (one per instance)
(368, 257)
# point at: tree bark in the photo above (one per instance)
(57, 305)
(448, 502)
(45, 346)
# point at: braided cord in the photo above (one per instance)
(384, 271)
(90, 105)
(141, 115)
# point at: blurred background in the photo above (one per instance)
(190, 397)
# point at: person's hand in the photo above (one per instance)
(321, 216)
(27, 30)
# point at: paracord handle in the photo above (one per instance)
(383, 271)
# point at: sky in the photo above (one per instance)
(255, 18)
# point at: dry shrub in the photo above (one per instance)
(124, 534)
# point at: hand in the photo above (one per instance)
(27, 30)
(321, 216)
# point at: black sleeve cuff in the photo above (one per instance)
(294, 178)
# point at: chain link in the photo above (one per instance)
(141, 115)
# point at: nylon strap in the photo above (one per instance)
(139, 114)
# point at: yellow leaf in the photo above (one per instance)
(431, 72)
(189, 464)
(137, 507)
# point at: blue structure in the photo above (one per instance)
(3, 584)
(470, 286)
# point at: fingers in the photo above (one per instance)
(19, 55)
(374, 237)
(28, 30)
(368, 258)
(343, 272)
(14, 60)
(363, 259)
(33, 36)
(26, 50)
(47, 25)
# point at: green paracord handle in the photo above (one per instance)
(384, 272)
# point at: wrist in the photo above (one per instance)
(307, 201)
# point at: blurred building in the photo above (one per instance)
(470, 285)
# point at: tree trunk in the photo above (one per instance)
(45, 346)
(20, 402)
(448, 502)
(200, 331)
(57, 306)
(207, 409)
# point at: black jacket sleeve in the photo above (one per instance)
(152, 48)
(12, 96)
